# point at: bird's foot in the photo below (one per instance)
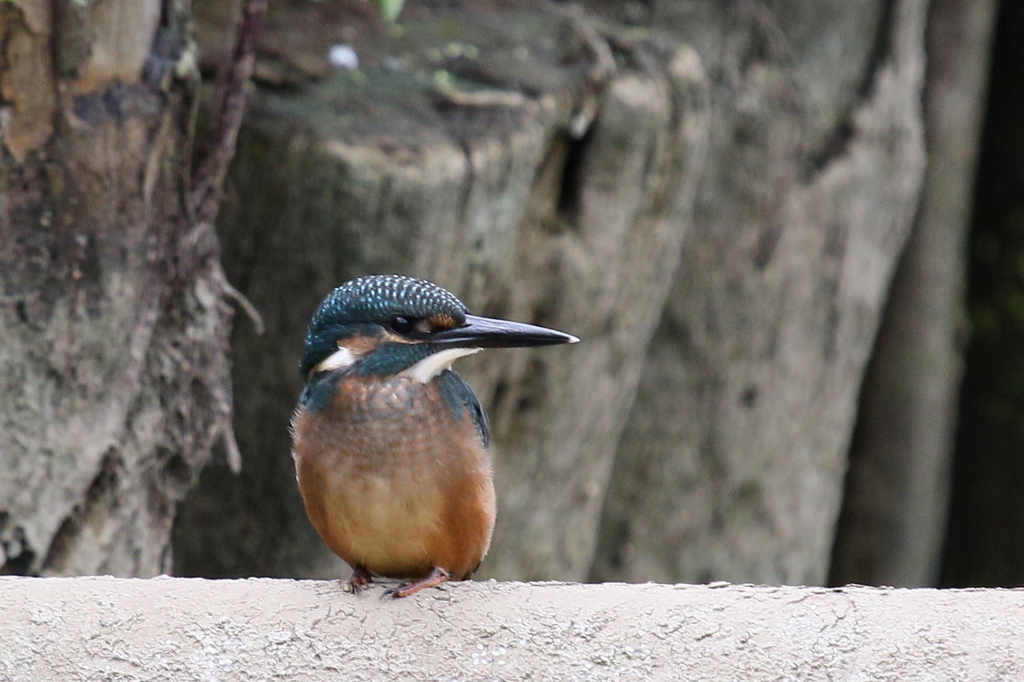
(433, 579)
(360, 579)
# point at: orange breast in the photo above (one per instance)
(393, 481)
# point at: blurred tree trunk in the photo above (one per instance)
(894, 514)
(113, 358)
(732, 463)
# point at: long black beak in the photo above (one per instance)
(485, 332)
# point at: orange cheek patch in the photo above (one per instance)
(358, 345)
(441, 322)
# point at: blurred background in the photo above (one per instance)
(789, 234)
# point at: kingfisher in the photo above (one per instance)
(390, 443)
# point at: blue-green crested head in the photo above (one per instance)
(392, 314)
(388, 325)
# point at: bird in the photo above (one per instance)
(391, 446)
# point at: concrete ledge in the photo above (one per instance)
(190, 629)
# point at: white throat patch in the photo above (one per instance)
(432, 365)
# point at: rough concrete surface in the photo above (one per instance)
(260, 629)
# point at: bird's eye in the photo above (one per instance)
(400, 324)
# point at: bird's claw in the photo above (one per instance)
(434, 578)
(360, 579)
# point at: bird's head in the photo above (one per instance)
(386, 325)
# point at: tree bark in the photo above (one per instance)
(893, 521)
(167, 628)
(732, 463)
(114, 380)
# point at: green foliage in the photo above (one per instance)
(390, 8)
